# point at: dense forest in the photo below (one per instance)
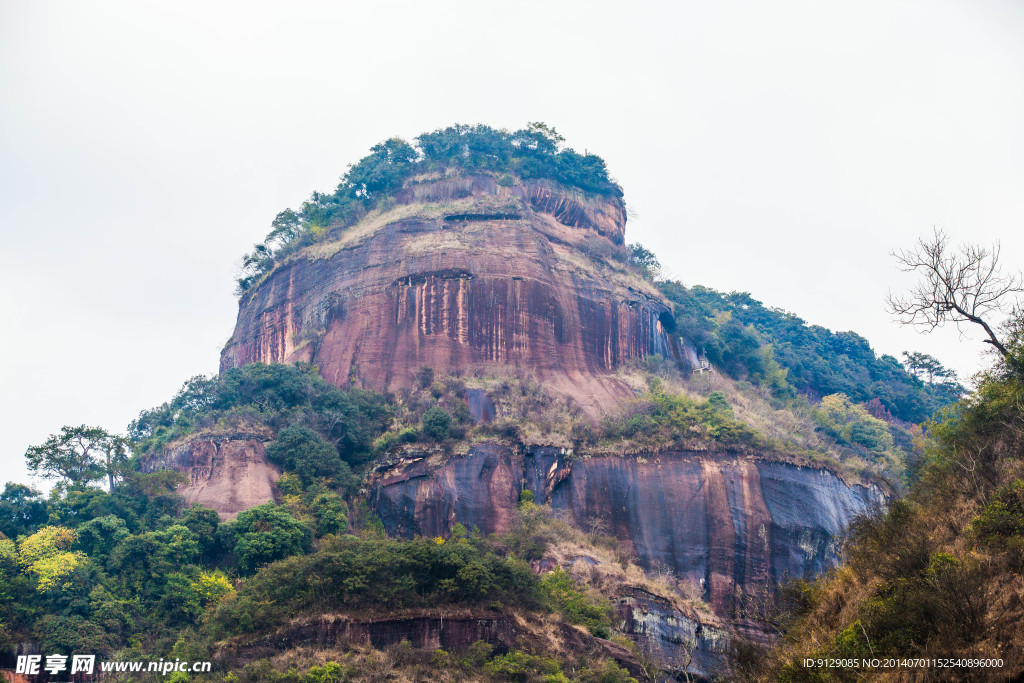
(772, 347)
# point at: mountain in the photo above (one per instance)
(461, 427)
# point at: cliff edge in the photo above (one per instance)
(460, 273)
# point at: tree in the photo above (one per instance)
(301, 450)
(645, 260)
(99, 536)
(22, 509)
(203, 522)
(80, 455)
(266, 533)
(47, 556)
(926, 367)
(437, 423)
(286, 227)
(957, 286)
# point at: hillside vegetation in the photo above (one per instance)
(778, 350)
(941, 573)
(129, 572)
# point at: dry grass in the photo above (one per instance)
(614, 275)
(439, 241)
(540, 417)
(377, 219)
(599, 561)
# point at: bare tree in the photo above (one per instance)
(687, 646)
(964, 285)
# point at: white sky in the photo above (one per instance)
(783, 148)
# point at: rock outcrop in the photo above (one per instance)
(469, 274)
(680, 643)
(726, 523)
(451, 630)
(458, 274)
(227, 472)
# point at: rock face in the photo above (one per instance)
(454, 632)
(727, 524)
(229, 473)
(677, 641)
(457, 274)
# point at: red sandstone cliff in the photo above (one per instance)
(457, 274)
(226, 472)
(724, 522)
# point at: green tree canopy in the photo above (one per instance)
(301, 450)
(266, 533)
(79, 455)
(437, 423)
(22, 509)
(750, 341)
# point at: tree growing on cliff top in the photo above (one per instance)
(644, 260)
(961, 286)
(78, 456)
(533, 152)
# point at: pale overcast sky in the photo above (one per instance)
(782, 148)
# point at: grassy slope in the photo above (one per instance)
(940, 575)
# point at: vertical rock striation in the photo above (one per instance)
(726, 523)
(457, 274)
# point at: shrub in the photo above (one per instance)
(300, 450)
(329, 512)
(437, 423)
(516, 665)
(576, 604)
(425, 377)
(669, 417)
(266, 533)
(330, 672)
(604, 671)
(1003, 517)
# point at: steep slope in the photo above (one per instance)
(456, 274)
(226, 472)
(725, 523)
(941, 574)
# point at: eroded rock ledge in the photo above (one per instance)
(457, 274)
(227, 472)
(724, 522)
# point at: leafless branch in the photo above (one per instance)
(958, 286)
